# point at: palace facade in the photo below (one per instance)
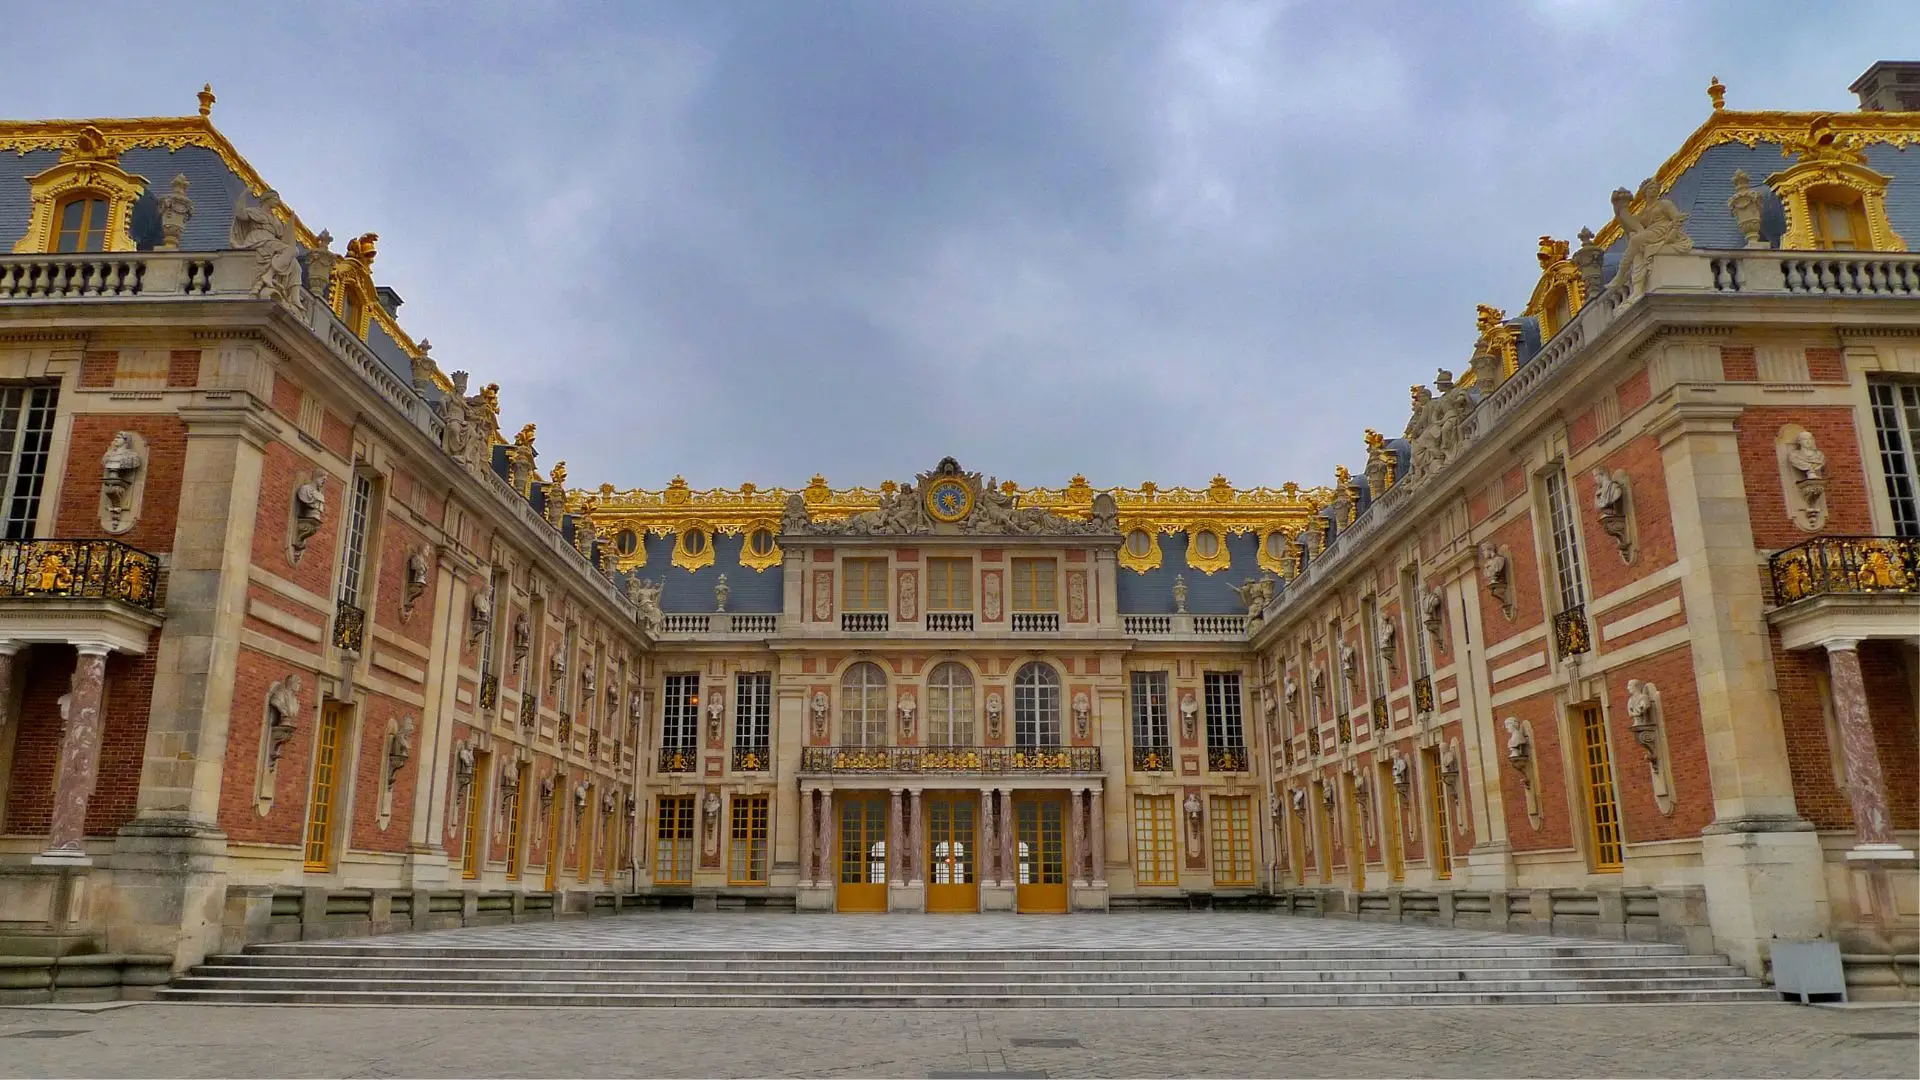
(1615, 634)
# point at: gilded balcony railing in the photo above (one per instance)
(349, 627)
(679, 759)
(1829, 565)
(1227, 759)
(1423, 694)
(1153, 759)
(489, 691)
(1570, 634)
(564, 734)
(529, 709)
(81, 569)
(1382, 719)
(995, 760)
(752, 759)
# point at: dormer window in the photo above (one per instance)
(81, 223)
(351, 311)
(1839, 220)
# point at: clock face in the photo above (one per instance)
(949, 500)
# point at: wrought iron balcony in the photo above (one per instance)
(349, 627)
(1570, 634)
(679, 759)
(593, 744)
(1227, 759)
(1382, 719)
(564, 734)
(1846, 565)
(78, 569)
(1036, 622)
(489, 691)
(1423, 694)
(752, 759)
(529, 709)
(1153, 759)
(984, 760)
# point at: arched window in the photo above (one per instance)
(1036, 706)
(80, 223)
(863, 705)
(950, 705)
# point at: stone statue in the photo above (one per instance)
(646, 596)
(283, 716)
(416, 584)
(1082, 715)
(794, 517)
(1179, 594)
(1193, 809)
(119, 472)
(1300, 802)
(1643, 705)
(522, 640)
(556, 669)
(399, 748)
(1747, 205)
(309, 511)
(1255, 595)
(1658, 229)
(818, 709)
(465, 760)
(1610, 506)
(1106, 514)
(1291, 691)
(720, 593)
(908, 706)
(1189, 716)
(1807, 458)
(1496, 571)
(1402, 776)
(261, 230)
(1349, 666)
(1389, 641)
(479, 615)
(320, 263)
(1430, 615)
(1517, 743)
(175, 208)
(994, 708)
(587, 681)
(456, 428)
(1809, 465)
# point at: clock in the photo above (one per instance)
(949, 500)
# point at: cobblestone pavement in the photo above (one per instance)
(1131, 930)
(1627, 1041)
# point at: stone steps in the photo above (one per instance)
(383, 973)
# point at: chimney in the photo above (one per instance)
(1889, 86)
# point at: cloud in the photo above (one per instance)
(760, 240)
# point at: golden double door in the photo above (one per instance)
(952, 851)
(863, 852)
(1040, 855)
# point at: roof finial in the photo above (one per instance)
(206, 100)
(1717, 90)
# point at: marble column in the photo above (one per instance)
(79, 758)
(829, 864)
(895, 872)
(1097, 817)
(916, 837)
(1076, 838)
(989, 848)
(806, 837)
(1866, 787)
(1009, 832)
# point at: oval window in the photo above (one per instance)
(1206, 544)
(1276, 544)
(627, 542)
(694, 542)
(1139, 543)
(761, 542)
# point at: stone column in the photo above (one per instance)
(829, 865)
(895, 872)
(989, 848)
(1097, 815)
(1866, 787)
(916, 837)
(806, 837)
(79, 759)
(1076, 838)
(1009, 832)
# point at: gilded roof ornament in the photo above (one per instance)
(1717, 93)
(1551, 251)
(206, 100)
(361, 249)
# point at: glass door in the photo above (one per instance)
(863, 852)
(951, 851)
(1040, 856)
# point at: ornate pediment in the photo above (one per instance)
(948, 500)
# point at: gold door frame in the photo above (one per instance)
(1040, 857)
(953, 850)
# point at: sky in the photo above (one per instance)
(752, 241)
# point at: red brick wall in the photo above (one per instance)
(1549, 782)
(255, 674)
(183, 368)
(1523, 572)
(79, 512)
(387, 591)
(1887, 667)
(1672, 672)
(1651, 515)
(1888, 670)
(46, 672)
(283, 469)
(369, 776)
(1848, 508)
(1826, 365)
(1737, 364)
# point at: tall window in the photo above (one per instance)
(1440, 846)
(1603, 805)
(747, 850)
(752, 716)
(473, 803)
(1370, 629)
(1036, 706)
(950, 705)
(1150, 731)
(583, 838)
(1839, 220)
(496, 603)
(567, 650)
(863, 585)
(26, 431)
(1153, 841)
(1415, 626)
(1033, 585)
(1224, 729)
(863, 705)
(1896, 420)
(80, 223)
(1342, 690)
(680, 714)
(514, 808)
(327, 753)
(353, 564)
(949, 584)
(1566, 541)
(1232, 840)
(673, 841)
